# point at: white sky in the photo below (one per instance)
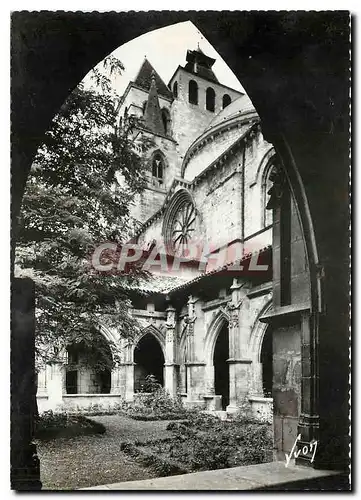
(165, 49)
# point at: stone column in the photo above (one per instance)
(256, 388)
(128, 370)
(239, 363)
(55, 385)
(41, 383)
(116, 376)
(195, 368)
(209, 379)
(171, 367)
(129, 381)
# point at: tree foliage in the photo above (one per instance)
(82, 183)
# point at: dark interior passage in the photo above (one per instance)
(221, 367)
(266, 360)
(149, 360)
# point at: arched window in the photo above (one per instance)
(210, 99)
(193, 92)
(144, 106)
(166, 121)
(226, 100)
(175, 89)
(157, 169)
(266, 186)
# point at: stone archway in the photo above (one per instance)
(216, 348)
(327, 154)
(149, 360)
(221, 366)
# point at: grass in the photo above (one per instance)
(132, 450)
(83, 461)
(206, 443)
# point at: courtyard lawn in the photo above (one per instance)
(78, 462)
(132, 450)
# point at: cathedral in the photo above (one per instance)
(210, 334)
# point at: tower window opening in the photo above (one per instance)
(226, 101)
(175, 89)
(157, 169)
(193, 92)
(210, 99)
(166, 121)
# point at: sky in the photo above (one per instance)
(166, 49)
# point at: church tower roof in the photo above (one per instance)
(144, 80)
(200, 64)
(152, 116)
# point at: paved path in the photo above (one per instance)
(73, 463)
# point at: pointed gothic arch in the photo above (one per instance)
(148, 358)
(220, 318)
(158, 164)
(258, 331)
(153, 330)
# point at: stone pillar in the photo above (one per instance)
(239, 363)
(55, 385)
(41, 383)
(309, 421)
(239, 382)
(195, 368)
(256, 382)
(116, 377)
(209, 379)
(171, 367)
(129, 381)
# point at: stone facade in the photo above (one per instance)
(214, 339)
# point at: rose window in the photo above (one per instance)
(183, 227)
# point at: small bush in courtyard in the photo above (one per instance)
(157, 405)
(50, 425)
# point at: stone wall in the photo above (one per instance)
(210, 151)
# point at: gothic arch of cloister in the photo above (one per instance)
(220, 318)
(153, 330)
(258, 331)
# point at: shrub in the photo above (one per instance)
(204, 442)
(151, 384)
(157, 405)
(50, 425)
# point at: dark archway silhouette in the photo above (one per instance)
(262, 44)
(149, 360)
(266, 360)
(221, 366)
